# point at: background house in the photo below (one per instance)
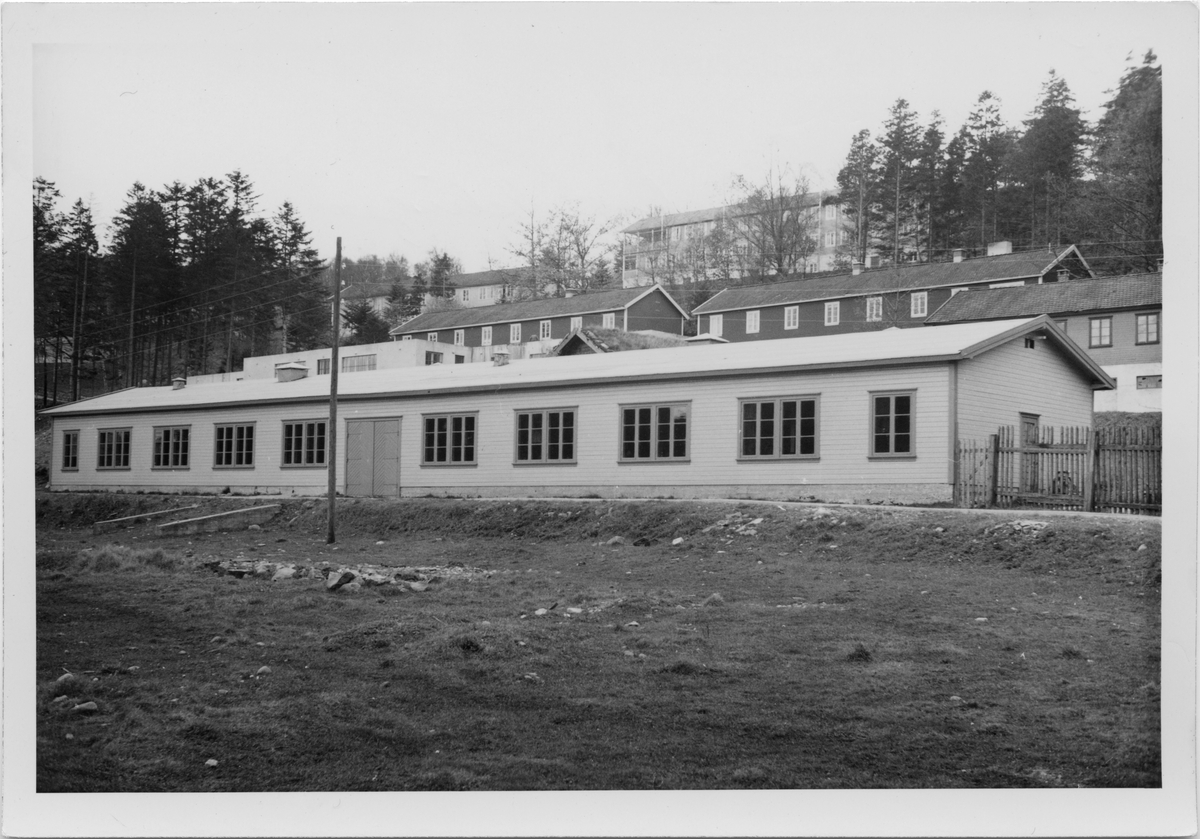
(865, 301)
(1118, 320)
(868, 417)
(534, 327)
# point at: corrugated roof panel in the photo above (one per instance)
(889, 346)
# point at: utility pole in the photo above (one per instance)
(331, 447)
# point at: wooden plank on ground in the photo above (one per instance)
(220, 521)
(109, 525)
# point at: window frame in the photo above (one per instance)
(514, 333)
(545, 328)
(69, 450)
(892, 395)
(654, 441)
(753, 321)
(576, 323)
(544, 415)
(460, 336)
(716, 325)
(372, 360)
(791, 317)
(833, 313)
(431, 337)
(178, 450)
(128, 432)
(285, 454)
(922, 310)
(218, 444)
(875, 309)
(326, 364)
(1148, 381)
(777, 434)
(449, 417)
(1137, 328)
(608, 320)
(485, 336)
(1104, 322)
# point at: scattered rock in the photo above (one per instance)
(338, 580)
(133, 669)
(678, 540)
(65, 677)
(939, 530)
(574, 610)
(956, 699)
(532, 677)
(633, 623)
(616, 540)
(418, 585)
(381, 542)
(285, 572)
(223, 691)
(254, 527)
(59, 699)
(1141, 548)
(263, 671)
(980, 620)
(210, 762)
(263, 569)
(86, 708)
(714, 599)
(541, 612)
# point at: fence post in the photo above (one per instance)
(1089, 485)
(994, 474)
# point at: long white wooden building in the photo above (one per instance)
(852, 417)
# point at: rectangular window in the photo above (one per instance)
(171, 447)
(433, 357)
(919, 304)
(323, 363)
(716, 325)
(752, 322)
(1149, 382)
(113, 448)
(830, 212)
(432, 337)
(70, 450)
(1100, 332)
(234, 446)
(833, 313)
(546, 436)
(544, 330)
(460, 337)
(874, 309)
(1061, 324)
(514, 333)
(576, 323)
(466, 294)
(609, 320)
(830, 238)
(791, 317)
(358, 363)
(779, 428)
(1147, 328)
(460, 359)
(655, 432)
(304, 443)
(402, 338)
(892, 424)
(449, 440)
(630, 263)
(485, 337)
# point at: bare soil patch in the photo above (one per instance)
(774, 646)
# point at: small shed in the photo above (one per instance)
(855, 417)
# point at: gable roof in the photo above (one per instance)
(990, 269)
(550, 307)
(1129, 291)
(603, 339)
(888, 347)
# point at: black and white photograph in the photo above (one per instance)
(600, 418)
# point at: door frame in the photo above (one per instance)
(399, 418)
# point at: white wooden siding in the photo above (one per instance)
(844, 433)
(995, 388)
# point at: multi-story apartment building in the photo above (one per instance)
(665, 247)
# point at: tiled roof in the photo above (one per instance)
(1129, 291)
(1010, 266)
(580, 304)
(858, 349)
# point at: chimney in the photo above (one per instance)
(178, 383)
(856, 268)
(1064, 274)
(499, 358)
(958, 254)
(999, 248)
(290, 371)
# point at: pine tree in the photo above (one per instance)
(1049, 159)
(899, 145)
(858, 195)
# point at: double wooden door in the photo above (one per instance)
(373, 457)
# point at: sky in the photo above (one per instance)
(403, 128)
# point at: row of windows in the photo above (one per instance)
(544, 333)
(233, 446)
(918, 308)
(1147, 329)
(784, 427)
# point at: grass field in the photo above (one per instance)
(820, 647)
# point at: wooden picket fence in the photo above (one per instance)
(1112, 470)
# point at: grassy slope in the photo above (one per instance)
(844, 650)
